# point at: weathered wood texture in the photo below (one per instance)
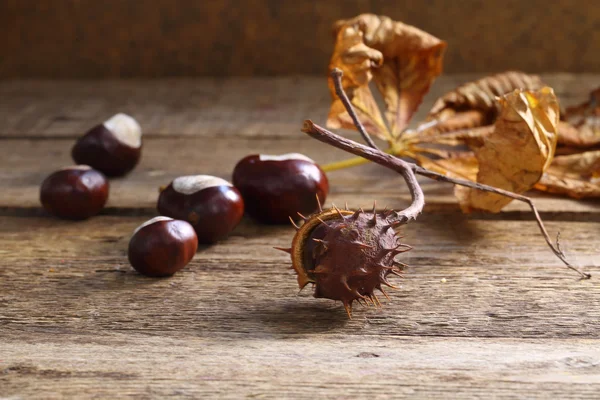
(158, 38)
(76, 320)
(248, 107)
(78, 280)
(317, 365)
(485, 310)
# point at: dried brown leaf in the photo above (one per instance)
(516, 154)
(582, 123)
(475, 104)
(402, 60)
(512, 154)
(450, 153)
(456, 165)
(415, 139)
(576, 175)
(356, 60)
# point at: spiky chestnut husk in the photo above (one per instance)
(347, 255)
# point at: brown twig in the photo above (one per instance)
(485, 188)
(402, 167)
(408, 171)
(336, 75)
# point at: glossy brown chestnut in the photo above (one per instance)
(162, 246)
(275, 188)
(212, 205)
(113, 147)
(76, 192)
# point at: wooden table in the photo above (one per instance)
(485, 309)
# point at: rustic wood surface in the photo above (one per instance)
(247, 107)
(485, 310)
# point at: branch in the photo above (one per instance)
(402, 167)
(336, 75)
(485, 188)
(408, 170)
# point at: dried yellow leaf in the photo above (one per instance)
(402, 60)
(516, 154)
(582, 126)
(356, 60)
(455, 165)
(481, 94)
(576, 175)
(475, 104)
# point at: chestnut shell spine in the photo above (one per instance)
(347, 255)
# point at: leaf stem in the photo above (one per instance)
(474, 185)
(350, 162)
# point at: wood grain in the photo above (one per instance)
(160, 38)
(78, 321)
(485, 310)
(132, 365)
(74, 277)
(233, 107)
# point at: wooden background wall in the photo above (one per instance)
(157, 38)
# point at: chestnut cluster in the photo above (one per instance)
(196, 209)
(112, 148)
(271, 189)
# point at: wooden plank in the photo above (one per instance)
(249, 107)
(485, 309)
(78, 322)
(313, 365)
(466, 278)
(25, 163)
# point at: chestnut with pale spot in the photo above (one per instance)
(113, 147)
(76, 192)
(162, 246)
(211, 204)
(276, 188)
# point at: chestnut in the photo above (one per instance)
(162, 246)
(276, 188)
(113, 147)
(212, 205)
(76, 192)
